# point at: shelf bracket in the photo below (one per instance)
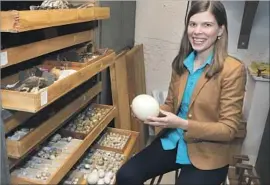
(247, 22)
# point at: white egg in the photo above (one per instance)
(100, 182)
(101, 173)
(109, 174)
(144, 106)
(107, 180)
(92, 178)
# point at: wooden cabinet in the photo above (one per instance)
(48, 112)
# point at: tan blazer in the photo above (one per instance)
(214, 113)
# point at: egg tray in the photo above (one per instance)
(103, 143)
(103, 162)
(83, 132)
(45, 163)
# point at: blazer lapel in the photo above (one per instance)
(182, 85)
(201, 82)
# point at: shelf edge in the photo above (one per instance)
(16, 55)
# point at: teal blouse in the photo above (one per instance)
(175, 136)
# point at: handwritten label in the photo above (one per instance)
(44, 97)
(3, 58)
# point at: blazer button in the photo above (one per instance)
(190, 116)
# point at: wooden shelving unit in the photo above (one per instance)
(25, 106)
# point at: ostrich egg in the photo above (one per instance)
(144, 105)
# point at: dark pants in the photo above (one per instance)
(153, 161)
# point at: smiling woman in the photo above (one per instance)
(198, 134)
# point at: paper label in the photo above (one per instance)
(3, 58)
(44, 97)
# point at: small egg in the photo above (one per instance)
(101, 173)
(107, 180)
(69, 139)
(52, 157)
(100, 182)
(92, 178)
(109, 174)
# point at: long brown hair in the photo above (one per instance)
(220, 48)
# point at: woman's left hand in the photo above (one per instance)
(168, 120)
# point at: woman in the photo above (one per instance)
(202, 109)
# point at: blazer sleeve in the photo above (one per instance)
(231, 102)
(169, 104)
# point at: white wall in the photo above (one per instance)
(160, 24)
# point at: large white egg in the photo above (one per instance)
(144, 106)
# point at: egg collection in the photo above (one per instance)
(114, 140)
(144, 106)
(99, 166)
(87, 119)
(48, 159)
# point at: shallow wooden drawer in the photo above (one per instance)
(81, 135)
(54, 168)
(109, 130)
(130, 149)
(131, 145)
(33, 102)
(89, 61)
(17, 149)
(19, 21)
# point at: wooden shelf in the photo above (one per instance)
(33, 102)
(16, 149)
(20, 21)
(75, 156)
(22, 53)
